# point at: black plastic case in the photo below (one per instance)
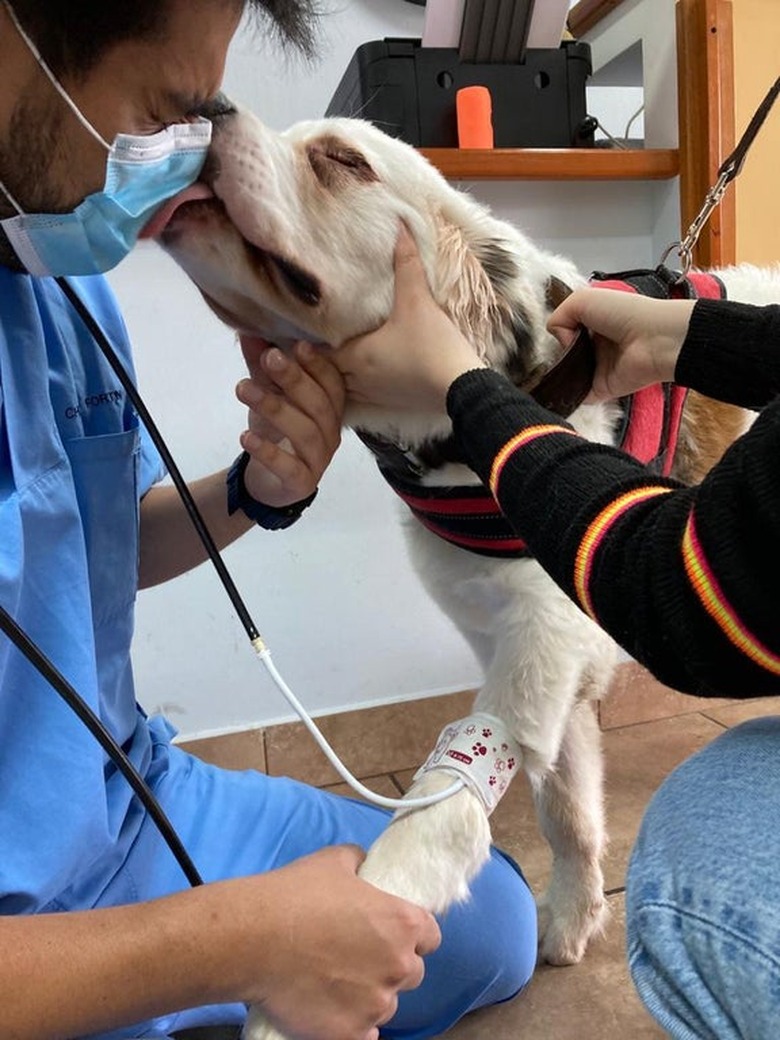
(409, 92)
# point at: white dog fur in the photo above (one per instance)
(299, 243)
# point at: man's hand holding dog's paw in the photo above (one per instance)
(339, 950)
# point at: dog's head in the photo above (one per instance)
(298, 239)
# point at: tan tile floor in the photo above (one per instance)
(595, 999)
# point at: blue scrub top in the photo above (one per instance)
(74, 463)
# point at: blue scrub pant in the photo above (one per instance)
(240, 823)
(703, 892)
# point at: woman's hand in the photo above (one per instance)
(296, 407)
(637, 339)
(409, 362)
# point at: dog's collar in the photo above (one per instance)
(563, 388)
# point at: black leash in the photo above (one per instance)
(732, 166)
(729, 170)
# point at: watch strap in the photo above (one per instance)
(272, 518)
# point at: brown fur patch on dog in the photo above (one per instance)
(708, 428)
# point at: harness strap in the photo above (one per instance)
(468, 516)
(652, 416)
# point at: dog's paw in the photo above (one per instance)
(565, 931)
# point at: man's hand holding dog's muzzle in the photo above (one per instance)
(296, 406)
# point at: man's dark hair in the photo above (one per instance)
(72, 36)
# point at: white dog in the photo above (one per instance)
(298, 242)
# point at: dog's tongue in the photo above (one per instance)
(162, 217)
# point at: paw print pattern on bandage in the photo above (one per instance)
(487, 733)
(479, 749)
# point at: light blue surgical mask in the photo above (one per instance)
(141, 174)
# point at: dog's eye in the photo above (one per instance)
(302, 285)
(334, 163)
(350, 158)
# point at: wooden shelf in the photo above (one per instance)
(555, 164)
(587, 13)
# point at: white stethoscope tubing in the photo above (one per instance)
(264, 655)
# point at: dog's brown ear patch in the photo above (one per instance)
(335, 163)
(497, 262)
(475, 286)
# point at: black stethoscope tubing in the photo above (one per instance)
(49, 671)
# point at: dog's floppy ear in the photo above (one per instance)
(477, 286)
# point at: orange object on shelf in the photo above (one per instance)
(474, 109)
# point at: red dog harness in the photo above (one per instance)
(469, 516)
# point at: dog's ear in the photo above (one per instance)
(478, 282)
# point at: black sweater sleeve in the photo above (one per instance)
(732, 353)
(685, 579)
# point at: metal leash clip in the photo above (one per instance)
(728, 172)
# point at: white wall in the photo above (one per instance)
(334, 596)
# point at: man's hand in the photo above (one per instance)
(296, 406)
(323, 953)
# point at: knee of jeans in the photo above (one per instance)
(702, 879)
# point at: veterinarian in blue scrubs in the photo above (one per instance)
(99, 934)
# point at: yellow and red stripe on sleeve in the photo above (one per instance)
(713, 599)
(595, 534)
(517, 442)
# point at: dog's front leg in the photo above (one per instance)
(427, 856)
(570, 810)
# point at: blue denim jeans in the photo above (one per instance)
(703, 892)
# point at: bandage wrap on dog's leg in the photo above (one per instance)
(481, 750)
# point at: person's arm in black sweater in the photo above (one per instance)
(686, 579)
(732, 353)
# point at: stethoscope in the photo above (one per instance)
(263, 654)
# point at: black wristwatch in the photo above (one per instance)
(272, 518)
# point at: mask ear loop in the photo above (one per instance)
(54, 82)
(11, 199)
